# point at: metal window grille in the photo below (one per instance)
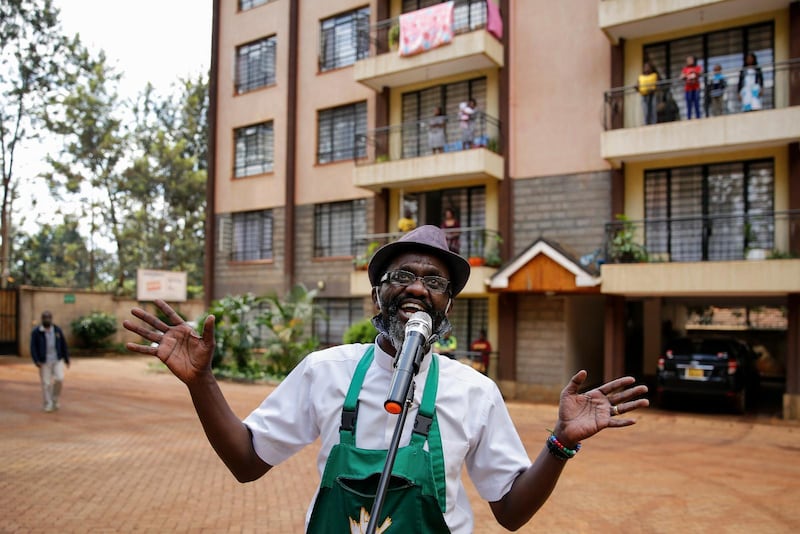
(710, 212)
(254, 150)
(252, 236)
(344, 39)
(338, 129)
(336, 226)
(255, 64)
(339, 315)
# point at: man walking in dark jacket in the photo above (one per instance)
(49, 353)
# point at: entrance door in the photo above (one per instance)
(8, 321)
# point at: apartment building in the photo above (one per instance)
(323, 138)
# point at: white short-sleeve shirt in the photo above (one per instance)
(474, 424)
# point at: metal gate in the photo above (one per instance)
(9, 319)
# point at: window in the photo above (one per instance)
(336, 226)
(250, 4)
(344, 39)
(710, 212)
(252, 236)
(418, 108)
(254, 150)
(340, 314)
(726, 48)
(255, 65)
(338, 129)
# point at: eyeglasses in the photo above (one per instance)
(434, 284)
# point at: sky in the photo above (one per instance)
(159, 41)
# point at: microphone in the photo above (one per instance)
(406, 364)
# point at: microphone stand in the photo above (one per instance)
(386, 475)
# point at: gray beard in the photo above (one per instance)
(394, 330)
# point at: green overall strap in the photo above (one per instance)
(426, 426)
(347, 431)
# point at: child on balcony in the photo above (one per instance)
(690, 74)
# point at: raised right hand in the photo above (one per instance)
(185, 353)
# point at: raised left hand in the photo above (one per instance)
(582, 415)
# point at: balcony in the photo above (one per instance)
(629, 19)
(628, 139)
(400, 155)
(480, 246)
(724, 255)
(472, 48)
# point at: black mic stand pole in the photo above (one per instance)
(386, 476)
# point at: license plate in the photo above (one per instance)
(694, 373)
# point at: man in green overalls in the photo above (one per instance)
(457, 417)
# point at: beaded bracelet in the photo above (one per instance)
(557, 449)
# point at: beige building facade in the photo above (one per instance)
(322, 139)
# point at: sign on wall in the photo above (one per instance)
(166, 285)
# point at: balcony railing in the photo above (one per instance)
(411, 139)
(773, 235)
(669, 103)
(468, 15)
(479, 245)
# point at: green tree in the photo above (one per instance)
(168, 181)
(56, 256)
(31, 53)
(88, 117)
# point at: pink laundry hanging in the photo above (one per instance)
(426, 28)
(494, 21)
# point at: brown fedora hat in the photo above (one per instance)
(423, 239)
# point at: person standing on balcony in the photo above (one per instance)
(751, 82)
(446, 345)
(407, 223)
(716, 91)
(466, 120)
(482, 345)
(436, 130)
(336, 396)
(648, 81)
(450, 225)
(690, 74)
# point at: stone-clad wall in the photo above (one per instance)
(260, 277)
(571, 210)
(541, 344)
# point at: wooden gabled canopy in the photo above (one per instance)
(544, 267)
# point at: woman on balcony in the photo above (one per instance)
(450, 225)
(436, 127)
(751, 81)
(466, 117)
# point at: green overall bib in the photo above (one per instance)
(415, 499)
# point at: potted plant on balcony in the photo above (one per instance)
(492, 251)
(624, 248)
(394, 37)
(362, 260)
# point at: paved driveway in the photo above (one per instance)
(126, 454)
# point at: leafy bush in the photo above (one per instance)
(93, 330)
(258, 337)
(360, 332)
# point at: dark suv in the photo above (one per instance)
(716, 366)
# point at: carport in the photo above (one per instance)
(651, 295)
